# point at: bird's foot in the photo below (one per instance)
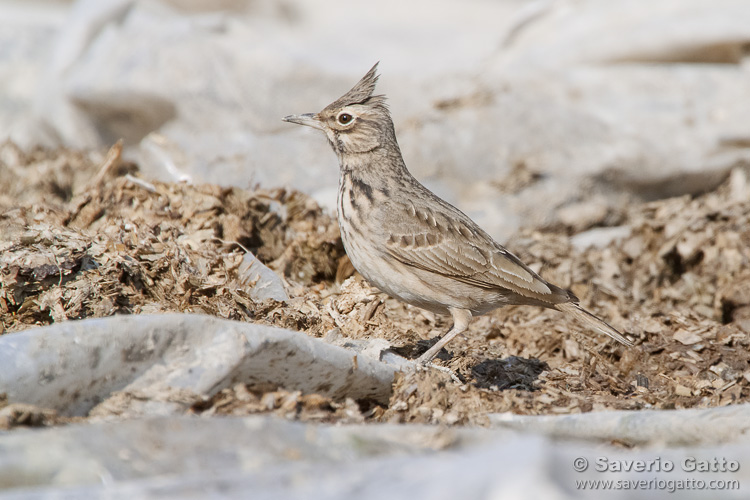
(424, 365)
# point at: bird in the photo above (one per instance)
(410, 243)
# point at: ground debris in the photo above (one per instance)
(119, 248)
(677, 283)
(26, 415)
(242, 400)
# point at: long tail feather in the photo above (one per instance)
(592, 321)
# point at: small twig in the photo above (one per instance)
(668, 378)
(335, 315)
(113, 158)
(603, 362)
(228, 242)
(141, 183)
(443, 369)
(728, 385)
(371, 309)
(59, 270)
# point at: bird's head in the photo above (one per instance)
(357, 122)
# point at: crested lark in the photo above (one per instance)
(411, 244)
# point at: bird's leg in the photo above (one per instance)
(461, 318)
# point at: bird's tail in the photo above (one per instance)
(592, 321)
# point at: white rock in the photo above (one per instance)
(76, 365)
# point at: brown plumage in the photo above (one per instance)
(410, 243)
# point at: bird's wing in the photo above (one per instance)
(453, 246)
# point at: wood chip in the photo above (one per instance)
(686, 337)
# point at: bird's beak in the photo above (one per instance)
(309, 119)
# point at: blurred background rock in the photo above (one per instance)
(551, 113)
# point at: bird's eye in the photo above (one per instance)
(345, 118)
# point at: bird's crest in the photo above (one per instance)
(362, 92)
